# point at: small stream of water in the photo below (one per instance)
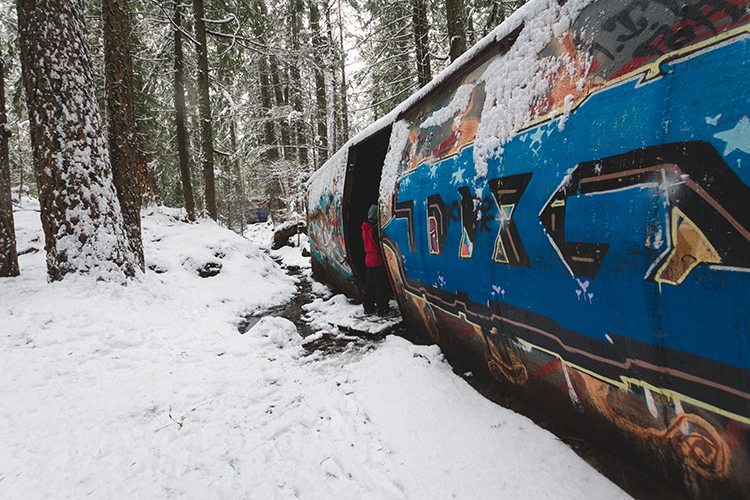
(291, 310)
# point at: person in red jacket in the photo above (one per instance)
(377, 286)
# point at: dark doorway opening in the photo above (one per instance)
(361, 191)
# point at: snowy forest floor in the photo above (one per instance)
(182, 386)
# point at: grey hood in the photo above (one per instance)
(372, 214)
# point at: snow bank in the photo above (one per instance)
(278, 331)
(260, 233)
(332, 314)
(291, 256)
(450, 442)
(149, 391)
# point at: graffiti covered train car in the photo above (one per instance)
(568, 207)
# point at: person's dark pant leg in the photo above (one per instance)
(383, 288)
(370, 293)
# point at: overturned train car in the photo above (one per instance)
(567, 207)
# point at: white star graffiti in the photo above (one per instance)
(737, 137)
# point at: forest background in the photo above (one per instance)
(217, 106)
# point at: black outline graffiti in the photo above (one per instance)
(475, 214)
(507, 192)
(582, 258)
(469, 223)
(405, 210)
(439, 211)
(647, 29)
(697, 181)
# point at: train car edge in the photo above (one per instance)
(590, 252)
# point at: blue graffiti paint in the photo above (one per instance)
(703, 315)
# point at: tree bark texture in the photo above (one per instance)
(421, 42)
(180, 114)
(8, 252)
(121, 124)
(81, 215)
(321, 114)
(204, 110)
(238, 185)
(272, 153)
(295, 20)
(259, 28)
(280, 101)
(224, 203)
(456, 31)
(146, 178)
(343, 89)
(334, 116)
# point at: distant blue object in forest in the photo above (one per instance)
(257, 215)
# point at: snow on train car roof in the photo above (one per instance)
(319, 182)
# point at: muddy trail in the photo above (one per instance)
(292, 310)
(328, 343)
(631, 479)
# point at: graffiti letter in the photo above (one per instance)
(405, 210)
(468, 223)
(709, 208)
(437, 224)
(507, 191)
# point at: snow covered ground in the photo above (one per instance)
(149, 391)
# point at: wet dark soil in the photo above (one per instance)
(329, 344)
(292, 310)
(634, 481)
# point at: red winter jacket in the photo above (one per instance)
(373, 258)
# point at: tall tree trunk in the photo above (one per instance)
(145, 174)
(238, 185)
(295, 19)
(496, 16)
(204, 109)
(421, 42)
(259, 29)
(81, 215)
(321, 115)
(121, 120)
(225, 202)
(456, 32)
(343, 88)
(272, 153)
(280, 101)
(180, 114)
(234, 188)
(8, 252)
(334, 114)
(20, 170)
(471, 34)
(405, 45)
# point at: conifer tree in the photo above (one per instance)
(8, 252)
(122, 130)
(204, 109)
(81, 215)
(180, 115)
